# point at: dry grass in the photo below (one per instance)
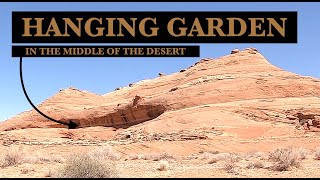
(158, 157)
(302, 152)
(16, 156)
(232, 157)
(12, 157)
(163, 165)
(255, 165)
(229, 166)
(283, 153)
(43, 158)
(207, 155)
(254, 154)
(285, 159)
(105, 153)
(213, 158)
(86, 165)
(230, 163)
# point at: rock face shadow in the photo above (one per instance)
(126, 116)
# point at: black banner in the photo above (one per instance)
(154, 27)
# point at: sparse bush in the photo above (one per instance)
(219, 157)
(56, 159)
(317, 154)
(40, 158)
(230, 163)
(15, 156)
(281, 166)
(229, 166)
(288, 153)
(255, 165)
(302, 152)
(253, 154)
(32, 159)
(163, 165)
(223, 156)
(232, 157)
(285, 158)
(12, 157)
(163, 156)
(106, 153)
(158, 157)
(208, 155)
(84, 165)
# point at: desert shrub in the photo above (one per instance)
(253, 154)
(230, 163)
(255, 165)
(33, 159)
(285, 158)
(40, 158)
(213, 158)
(302, 152)
(291, 153)
(207, 155)
(317, 154)
(163, 165)
(232, 157)
(12, 157)
(105, 153)
(56, 159)
(281, 166)
(158, 157)
(164, 156)
(229, 166)
(146, 156)
(84, 165)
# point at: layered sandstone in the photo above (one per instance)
(243, 83)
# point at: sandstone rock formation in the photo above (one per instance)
(243, 83)
(235, 51)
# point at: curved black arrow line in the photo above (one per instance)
(71, 124)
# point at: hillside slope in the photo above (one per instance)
(235, 87)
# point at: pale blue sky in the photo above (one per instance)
(45, 76)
